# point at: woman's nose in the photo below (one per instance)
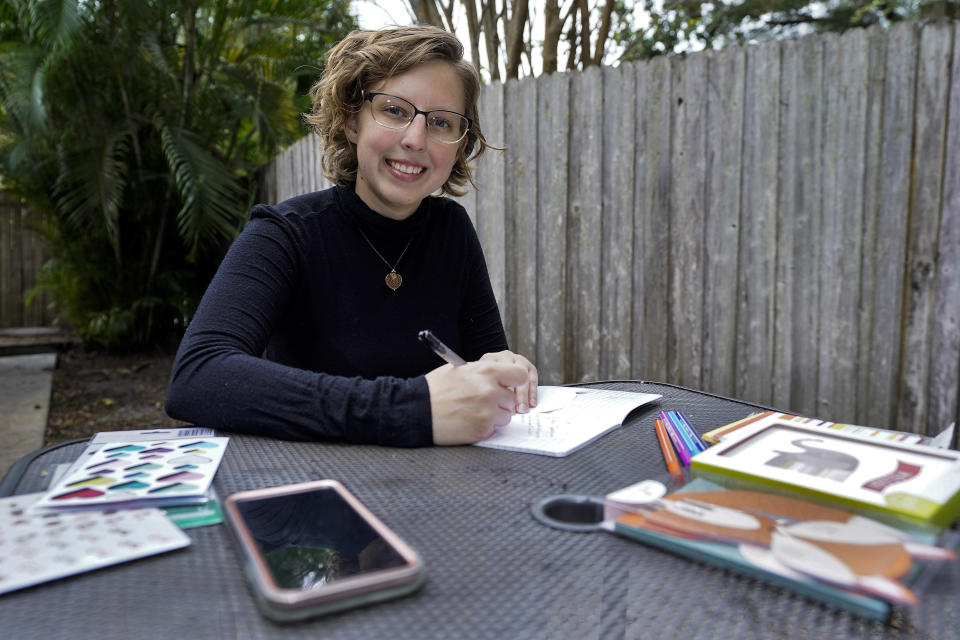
(415, 135)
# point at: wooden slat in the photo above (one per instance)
(798, 224)
(521, 205)
(584, 227)
(688, 200)
(9, 288)
(618, 176)
(928, 150)
(878, 404)
(724, 149)
(843, 177)
(553, 123)
(652, 222)
(491, 222)
(16, 269)
(945, 353)
(873, 171)
(756, 282)
(32, 258)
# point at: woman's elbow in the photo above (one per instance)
(178, 401)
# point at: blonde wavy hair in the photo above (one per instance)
(361, 61)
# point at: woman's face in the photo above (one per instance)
(397, 168)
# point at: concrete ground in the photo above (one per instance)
(25, 383)
(27, 360)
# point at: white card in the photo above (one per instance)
(40, 548)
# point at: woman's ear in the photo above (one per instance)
(351, 129)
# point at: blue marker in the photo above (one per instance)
(687, 440)
(694, 436)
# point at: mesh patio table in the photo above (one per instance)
(492, 570)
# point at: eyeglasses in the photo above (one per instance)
(448, 127)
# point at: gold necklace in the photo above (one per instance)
(393, 279)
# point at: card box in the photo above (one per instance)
(888, 480)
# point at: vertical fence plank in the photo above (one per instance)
(756, 283)
(618, 175)
(873, 166)
(843, 178)
(724, 149)
(928, 149)
(944, 378)
(16, 268)
(33, 257)
(640, 219)
(798, 226)
(9, 287)
(489, 176)
(688, 197)
(553, 123)
(878, 404)
(521, 103)
(584, 226)
(653, 223)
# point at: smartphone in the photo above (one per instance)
(313, 548)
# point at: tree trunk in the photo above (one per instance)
(473, 29)
(552, 28)
(489, 19)
(426, 12)
(515, 32)
(584, 9)
(603, 32)
(572, 38)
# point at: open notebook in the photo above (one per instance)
(566, 419)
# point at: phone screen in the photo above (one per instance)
(314, 537)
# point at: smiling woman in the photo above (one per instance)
(335, 286)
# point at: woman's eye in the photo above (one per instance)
(439, 122)
(394, 111)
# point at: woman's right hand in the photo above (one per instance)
(468, 402)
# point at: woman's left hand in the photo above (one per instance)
(526, 393)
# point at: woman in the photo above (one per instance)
(332, 287)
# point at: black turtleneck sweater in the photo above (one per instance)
(341, 361)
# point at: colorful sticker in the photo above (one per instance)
(163, 473)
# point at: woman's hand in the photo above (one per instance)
(526, 393)
(468, 402)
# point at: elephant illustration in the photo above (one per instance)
(815, 461)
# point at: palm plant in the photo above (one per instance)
(135, 127)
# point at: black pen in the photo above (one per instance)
(442, 350)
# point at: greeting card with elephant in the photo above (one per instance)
(910, 484)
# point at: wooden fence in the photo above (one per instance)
(779, 222)
(22, 254)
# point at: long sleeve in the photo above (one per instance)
(298, 337)
(218, 380)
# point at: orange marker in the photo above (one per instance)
(673, 466)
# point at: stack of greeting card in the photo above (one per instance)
(127, 496)
(907, 483)
(36, 549)
(827, 554)
(169, 471)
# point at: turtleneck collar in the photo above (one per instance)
(359, 214)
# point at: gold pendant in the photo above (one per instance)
(393, 280)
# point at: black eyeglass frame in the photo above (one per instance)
(369, 95)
